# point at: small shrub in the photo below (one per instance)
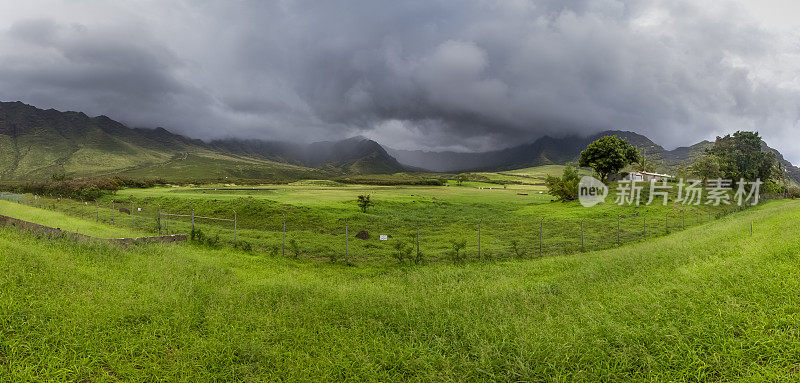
(456, 253)
(364, 202)
(793, 191)
(198, 236)
(565, 188)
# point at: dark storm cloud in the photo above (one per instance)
(413, 74)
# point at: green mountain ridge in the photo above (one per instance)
(36, 143)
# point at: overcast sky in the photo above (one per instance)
(434, 75)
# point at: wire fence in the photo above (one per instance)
(364, 237)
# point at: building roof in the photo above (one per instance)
(653, 174)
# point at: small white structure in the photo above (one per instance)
(647, 176)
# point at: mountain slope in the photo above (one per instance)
(356, 155)
(544, 151)
(36, 143)
(560, 151)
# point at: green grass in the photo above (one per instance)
(316, 213)
(68, 222)
(510, 216)
(710, 303)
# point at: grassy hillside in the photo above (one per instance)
(83, 224)
(35, 144)
(708, 303)
(213, 166)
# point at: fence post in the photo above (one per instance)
(159, 220)
(234, 228)
(283, 246)
(541, 230)
(346, 245)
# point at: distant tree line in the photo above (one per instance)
(88, 189)
(741, 156)
(736, 156)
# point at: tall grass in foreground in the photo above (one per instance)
(708, 303)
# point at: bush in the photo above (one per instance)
(364, 202)
(198, 236)
(793, 192)
(455, 254)
(565, 188)
(393, 180)
(85, 189)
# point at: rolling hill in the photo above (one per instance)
(36, 143)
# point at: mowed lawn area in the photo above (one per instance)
(707, 303)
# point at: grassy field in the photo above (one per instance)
(68, 222)
(532, 176)
(709, 303)
(513, 218)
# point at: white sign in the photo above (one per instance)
(140, 209)
(384, 237)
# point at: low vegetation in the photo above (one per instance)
(565, 188)
(316, 213)
(711, 303)
(84, 189)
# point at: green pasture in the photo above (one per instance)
(514, 220)
(708, 303)
(84, 224)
